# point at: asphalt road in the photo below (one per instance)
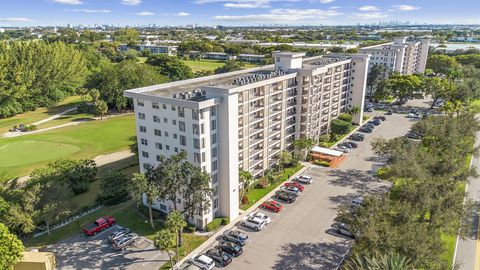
(299, 237)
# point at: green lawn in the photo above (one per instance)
(255, 194)
(449, 242)
(67, 118)
(20, 155)
(207, 64)
(39, 114)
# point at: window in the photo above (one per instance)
(141, 116)
(166, 134)
(167, 147)
(181, 126)
(195, 129)
(145, 166)
(176, 150)
(158, 146)
(144, 141)
(173, 107)
(164, 106)
(155, 105)
(196, 157)
(203, 143)
(196, 143)
(215, 191)
(144, 154)
(214, 124)
(214, 152)
(203, 157)
(213, 111)
(214, 178)
(179, 201)
(202, 128)
(174, 135)
(214, 165)
(157, 132)
(158, 157)
(156, 119)
(165, 120)
(181, 112)
(183, 140)
(215, 203)
(174, 122)
(213, 138)
(140, 102)
(143, 129)
(194, 114)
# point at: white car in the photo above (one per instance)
(253, 223)
(262, 216)
(357, 202)
(204, 262)
(304, 179)
(343, 149)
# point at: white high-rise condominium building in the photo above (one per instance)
(399, 56)
(243, 120)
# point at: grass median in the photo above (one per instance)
(255, 194)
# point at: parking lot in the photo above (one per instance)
(81, 252)
(300, 236)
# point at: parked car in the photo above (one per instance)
(253, 223)
(367, 125)
(125, 241)
(305, 179)
(369, 109)
(118, 234)
(99, 225)
(342, 228)
(262, 216)
(351, 144)
(411, 115)
(272, 206)
(203, 261)
(365, 130)
(220, 257)
(295, 184)
(376, 122)
(381, 106)
(343, 148)
(413, 135)
(291, 190)
(389, 113)
(417, 116)
(236, 237)
(231, 248)
(358, 201)
(188, 265)
(357, 137)
(380, 117)
(284, 196)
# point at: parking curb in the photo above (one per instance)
(213, 238)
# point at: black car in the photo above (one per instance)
(375, 122)
(365, 130)
(357, 137)
(352, 144)
(389, 113)
(284, 196)
(343, 229)
(220, 257)
(231, 248)
(413, 135)
(380, 117)
(371, 126)
(345, 144)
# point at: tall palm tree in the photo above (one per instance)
(378, 261)
(247, 179)
(175, 223)
(163, 241)
(142, 186)
(354, 110)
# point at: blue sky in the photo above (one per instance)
(235, 12)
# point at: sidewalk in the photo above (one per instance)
(213, 237)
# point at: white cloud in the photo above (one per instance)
(14, 19)
(68, 2)
(368, 8)
(131, 2)
(406, 7)
(369, 15)
(249, 2)
(178, 14)
(326, 1)
(258, 4)
(145, 13)
(89, 10)
(282, 15)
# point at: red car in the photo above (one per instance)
(295, 184)
(99, 225)
(272, 206)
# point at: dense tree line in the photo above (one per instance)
(35, 74)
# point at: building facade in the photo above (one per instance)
(218, 56)
(253, 58)
(242, 120)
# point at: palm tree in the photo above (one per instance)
(354, 110)
(391, 261)
(301, 145)
(163, 241)
(175, 223)
(142, 186)
(247, 179)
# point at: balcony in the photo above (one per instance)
(327, 96)
(291, 112)
(292, 93)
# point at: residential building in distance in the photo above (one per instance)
(218, 56)
(242, 120)
(154, 49)
(399, 56)
(253, 58)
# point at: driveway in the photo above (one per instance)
(81, 252)
(299, 237)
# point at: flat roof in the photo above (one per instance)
(326, 151)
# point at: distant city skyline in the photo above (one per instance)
(235, 12)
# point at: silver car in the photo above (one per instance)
(118, 234)
(125, 241)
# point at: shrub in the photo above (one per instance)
(225, 221)
(84, 108)
(339, 126)
(382, 173)
(322, 163)
(263, 183)
(189, 228)
(114, 188)
(30, 128)
(345, 117)
(214, 225)
(244, 200)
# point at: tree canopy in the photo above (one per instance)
(10, 248)
(171, 67)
